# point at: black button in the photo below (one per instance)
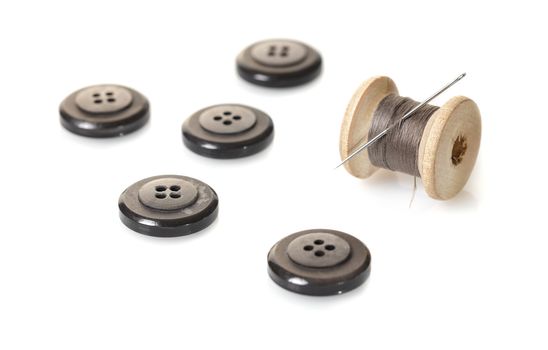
(319, 262)
(168, 206)
(279, 63)
(228, 131)
(104, 111)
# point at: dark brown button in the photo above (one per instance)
(104, 111)
(168, 206)
(228, 131)
(319, 262)
(279, 63)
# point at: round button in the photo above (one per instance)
(319, 262)
(279, 63)
(168, 206)
(228, 131)
(318, 249)
(168, 194)
(279, 53)
(104, 111)
(103, 99)
(231, 120)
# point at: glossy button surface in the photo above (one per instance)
(104, 111)
(228, 131)
(319, 262)
(168, 206)
(279, 63)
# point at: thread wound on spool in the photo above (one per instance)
(399, 149)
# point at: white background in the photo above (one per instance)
(470, 273)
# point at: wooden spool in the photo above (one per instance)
(448, 148)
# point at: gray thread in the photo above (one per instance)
(399, 149)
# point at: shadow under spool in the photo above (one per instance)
(438, 144)
(399, 149)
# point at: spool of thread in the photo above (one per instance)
(438, 144)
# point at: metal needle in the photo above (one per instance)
(402, 119)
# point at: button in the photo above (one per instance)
(319, 262)
(104, 111)
(279, 63)
(168, 206)
(228, 131)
